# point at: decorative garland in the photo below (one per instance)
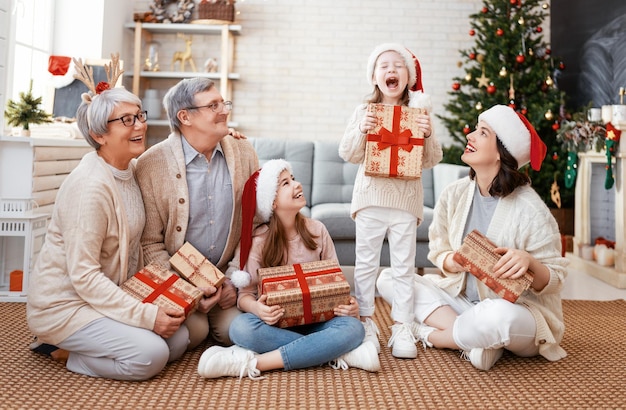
(184, 10)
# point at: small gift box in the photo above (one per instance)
(307, 291)
(157, 285)
(477, 257)
(395, 146)
(193, 266)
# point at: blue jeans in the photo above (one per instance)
(299, 346)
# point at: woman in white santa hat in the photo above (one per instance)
(285, 237)
(456, 310)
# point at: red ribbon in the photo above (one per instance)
(162, 289)
(395, 139)
(304, 286)
(197, 267)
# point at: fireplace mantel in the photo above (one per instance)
(614, 275)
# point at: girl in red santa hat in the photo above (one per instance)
(285, 237)
(456, 310)
(388, 206)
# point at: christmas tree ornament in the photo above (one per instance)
(491, 89)
(555, 192)
(511, 89)
(531, 52)
(556, 126)
(503, 72)
(549, 115)
(480, 58)
(484, 10)
(561, 66)
(459, 64)
(545, 6)
(512, 104)
(468, 77)
(483, 81)
(472, 32)
(499, 32)
(612, 139)
(520, 58)
(538, 29)
(466, 129)
(520, 21)
(524, 111)
(456, 86)
(548, 51)
(472, 56)
(479, 106)
(549, 81)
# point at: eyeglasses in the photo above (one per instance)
(215, 106)
(129, 119)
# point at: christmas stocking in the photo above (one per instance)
(570, 172)
(612, 138)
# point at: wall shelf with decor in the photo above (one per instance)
(164, 53)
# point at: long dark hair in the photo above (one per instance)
(508, 177)
(275, 248)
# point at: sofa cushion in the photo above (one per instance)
(336, 217)
(298, 153)
(333, 178)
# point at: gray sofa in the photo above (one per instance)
(328, 180)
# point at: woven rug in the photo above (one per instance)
(593, 375)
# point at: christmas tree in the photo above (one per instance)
(511, 64)
(26, 111)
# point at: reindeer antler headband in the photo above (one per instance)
(85, 75)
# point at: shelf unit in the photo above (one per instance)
(144, 32)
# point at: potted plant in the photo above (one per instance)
(26, 111)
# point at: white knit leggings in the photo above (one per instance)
(489, 324)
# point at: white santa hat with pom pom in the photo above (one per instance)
(259, 194)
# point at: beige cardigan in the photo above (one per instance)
(84, 259)
(161, 173)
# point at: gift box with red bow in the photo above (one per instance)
(193, 266)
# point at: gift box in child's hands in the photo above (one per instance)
(157, 285)
(477, 257)
(395, 147)
(194, 267)
(307, 291)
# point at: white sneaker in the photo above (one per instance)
(363, 357)
(371, 333)
(420, 333)
(402, 341)
(233, 361)
(484, 359)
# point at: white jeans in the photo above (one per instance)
(400, 227)
(489, 324)
(114, 350)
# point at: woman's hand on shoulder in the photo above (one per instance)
(269, 314)
(351, 309)
(168, 321)
(236, 134)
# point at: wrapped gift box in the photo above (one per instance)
(308, 291)
(194, 267)
(477, 256)
(158, 285)
(395, 146)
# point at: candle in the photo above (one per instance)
(604, 256)
(587, 252)
(607, 113)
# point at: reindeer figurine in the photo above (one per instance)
(184, 56)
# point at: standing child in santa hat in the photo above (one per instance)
(285, 237)
(388, 206)
(457, 310)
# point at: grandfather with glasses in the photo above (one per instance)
(75, 305)
(192, 184)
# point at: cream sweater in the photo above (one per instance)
(161, 173)
(521, 221)
(406, 195)
(84, 258)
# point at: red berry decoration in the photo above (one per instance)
(520, 58)
(499, 32)
(491, 89)
(466, 129)
(472, 32)
(472, 56)
(538, 29)
(456, 86)
(556, 126)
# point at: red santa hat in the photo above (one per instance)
(62, 70)
(417, 97)
(258, 197)
(516, 134)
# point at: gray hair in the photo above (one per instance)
(93, 116)
(182, 96)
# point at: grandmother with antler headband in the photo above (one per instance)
(75, 306)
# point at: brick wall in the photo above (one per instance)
(302, 63)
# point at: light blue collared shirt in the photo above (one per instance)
(210, 201)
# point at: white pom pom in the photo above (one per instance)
(418, 99)
(240, 278)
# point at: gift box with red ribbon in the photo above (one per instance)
(162, 287)
(395, 147)
(193, 266)
(307, 291)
